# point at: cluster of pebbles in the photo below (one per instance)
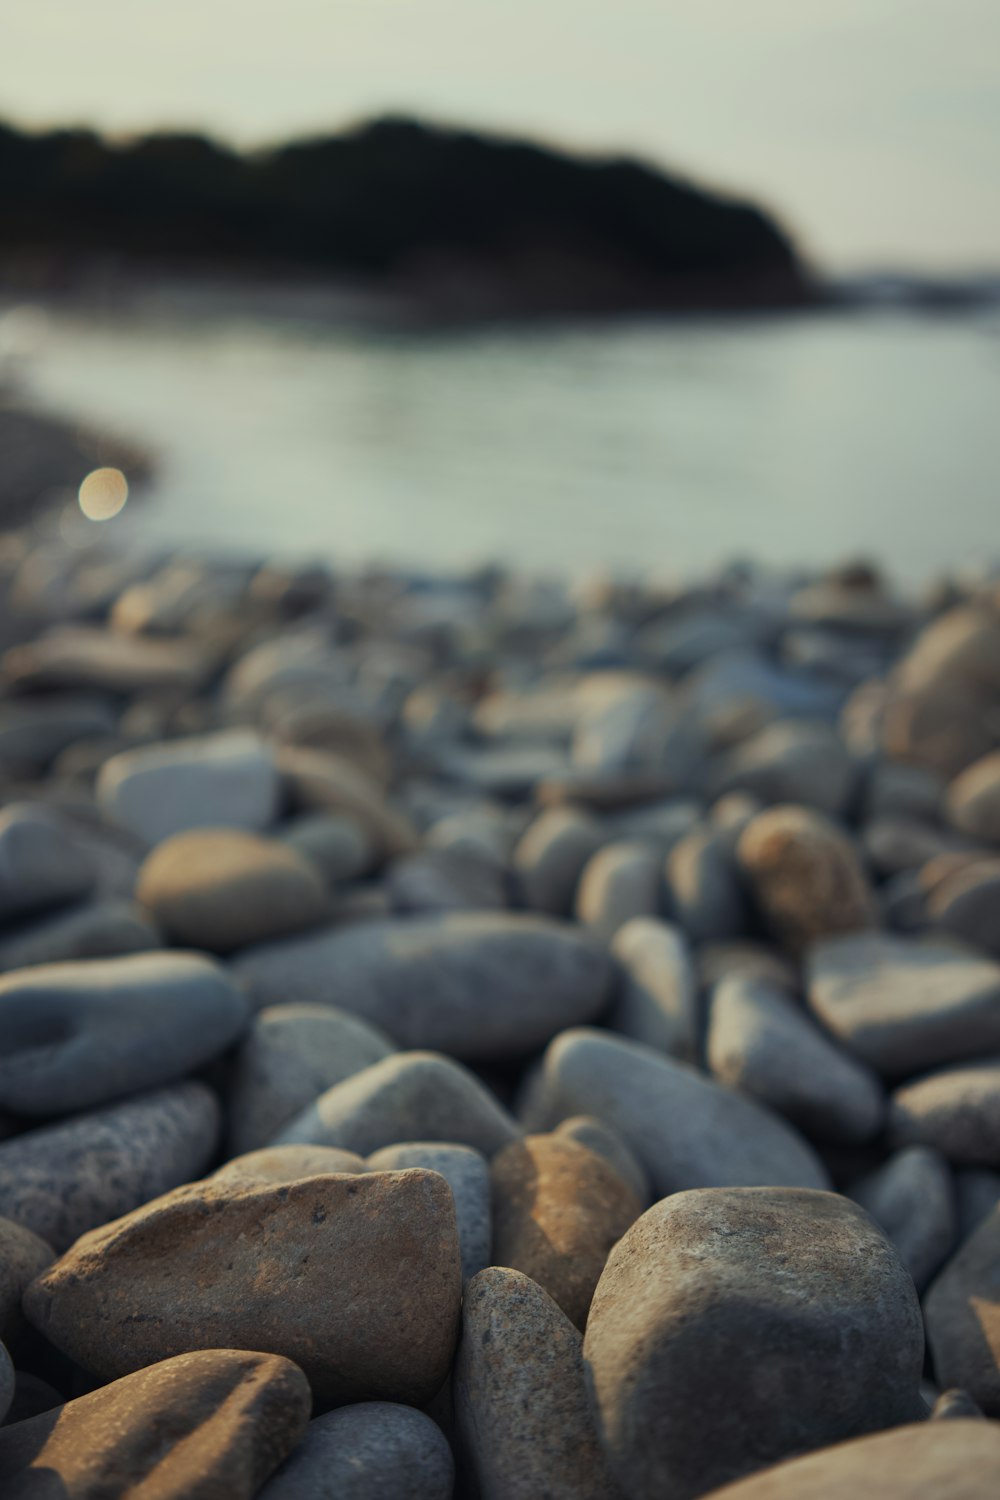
(485, 1038)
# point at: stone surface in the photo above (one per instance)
(972, 800)
(205, 1426)
(967, 905)
(289, 1056)
(406, 1097)
(338, 845)
(370, 1260)
(41, 864)
(477, 985)
(704, 893)
(804, 763)
(23, 1256)
(551, 855)
(912, 1197)
(956, 1110)
(902, 1004)
(223, 889)
(657, 995)
(62, 1180)
(277, 1164)
(82, 658)
(320, 781)
(225, 780)
(372, 1449)
(8, 1381)
(558, 1208)
(35, 731)
(620, 882)
(977, 1192)
(445, 880)
(952, 1405)
(80, 1034)
(103, 928)
(775, 1320)
(685, 1130)
(467, 1173)
(761, 1042)
(521, 1410)
(606, 1142)
(805, 875)
(962, 1313)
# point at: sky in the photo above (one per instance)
(872, 127)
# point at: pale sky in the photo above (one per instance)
(871, 126)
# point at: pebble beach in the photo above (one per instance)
(477, 1037)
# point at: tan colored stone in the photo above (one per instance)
(806, 876)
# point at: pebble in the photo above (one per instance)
(338, 845)
(225, 780)
(902, 1004)
(321, 781)
(806, 876)
(23, 1256)
(62, 1180)
(444, 880)
(704, 892)
(763, 1043)
(728, 1312)
(952, 1405)
(657, 994)
(477, 985)
(108, 927)
(977, 1194)
(83, 658)
(289, 1056)
(912, 1197)
(551, 856)
(41, 864)
(558, 1208)
(972, 800)
(34, 732)
(198, 1427)
(467, 1173)
(521, 1410)
(967, 905)
(621, 881)
(373, 1258)
(962, 1314)
(287, 1164)
(406, 1097)
(371, 1449)
(80, 1034)
(605, 1142)
(956, 1110)
(790, 762)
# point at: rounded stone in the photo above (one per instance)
(467, 1173)
(443, 880)
(962, 1313)
(912, 1197)
(657, 995)
(805, 875)
(729, 1312)
(321, 781)
(8, 1381)
(704, 891)
(374, 1448)
(790, 762)
(550, 857)
(956, 1110)
(277, 1164)
(608, 1143)
(23, 1256)
(102, 928)
(41, 864)
(620, 882)
(338, 845)
(972, 800)
(967, 905)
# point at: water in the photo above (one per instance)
(657, 446)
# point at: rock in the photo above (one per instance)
(805, 875)
(748, 960)
(551, 855)
(977, 1192)
(558, 1208)
(621, 881)
(729, 1312)
(520, 1400)
(704, 892)
(912, 1197)
(605, 1142)
(685, 1130)
(223, 889)
(473, 984)
(373, 1258)
(967, 905)
(225, 780)
(925, 1462)
(901, 1004)
(603, 791)
(467, 1173)
(108, 927)
(64, 1179)
(761, 1042)
(81, 658)
(488, 831)
(277, 1164)
(205, 1426)
(954, 1404)
(956, 1110)
(8, 1381)
(411, 1096)
(79, 1034)
(337, 844)
(320, 781)
(41, 864)
(972, 800)
(657, 996)
(961, 646)
(23, 1256)
(442, 880)
(32, 1396)
(374, 1448)
(906, 792)
(790, 762)
(290, 1055)
(962, 1314)
(33, 732)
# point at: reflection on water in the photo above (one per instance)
(649, 446)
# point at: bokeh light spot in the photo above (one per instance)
(103, 494)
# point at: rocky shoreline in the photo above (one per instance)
(489, 1038)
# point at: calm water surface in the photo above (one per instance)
(662, 446)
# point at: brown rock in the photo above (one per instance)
(806, 875)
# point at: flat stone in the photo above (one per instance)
(289, 1056)
(410, 1096)
(374, 1448)
(805, 875)
(953, 1461)
(901, 1004)
(467, 1173)
(703, 887)
(790, 762)
(373, 1259)
(108, 927)
(62, 1180)
(763, 1043)
(223, 889)
(338, 845)
(520, 1400)
(956, 1110)
(728, 1311)
(477, 985)
(972, 800)
(23, 1256)
(82, 658)
(962, 1313)
(685, 1130)
(444, 880)
(912, 1197)
(621, 881)
(657, 995)
(558, 1208)
(225, 780)
(550, 857)
(320, 781)
(206, 1426)
(41, 864)
(599, 1138)
(80, 1034)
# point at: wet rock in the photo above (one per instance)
(956, 1110)
(620, 882)
(790, 762)
(605, 1142)
(41, 864)
(104, 928)
(467, 1173)
(551, 855)
(374, 1448)
(962, 1313)
(972, 800)
(657, 995)
(64, 1179)
(373, 1258)
(205, 1426)
(805, 876)
(338, 845)
(912, 1197)
(728, 1312)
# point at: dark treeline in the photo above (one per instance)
(392, 200)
